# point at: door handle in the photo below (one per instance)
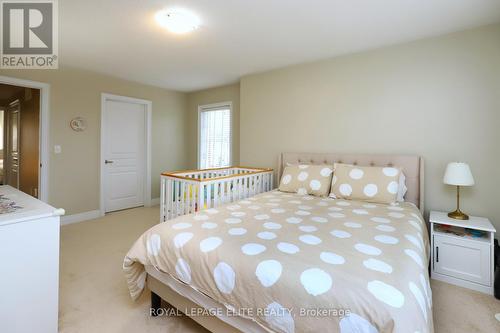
(437, 253)
(107, 161)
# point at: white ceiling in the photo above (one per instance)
(239, 37)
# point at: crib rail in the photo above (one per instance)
(185, 192)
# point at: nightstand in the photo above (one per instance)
(462, 251)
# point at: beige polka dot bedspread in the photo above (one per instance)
(299, 263)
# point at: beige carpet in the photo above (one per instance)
(94, 296)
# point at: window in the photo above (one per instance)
(214, 136)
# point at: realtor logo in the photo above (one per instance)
(29, 34)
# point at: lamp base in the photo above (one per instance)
(458, 215)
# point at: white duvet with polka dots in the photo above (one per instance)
(302, 263)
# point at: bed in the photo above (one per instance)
(282, 262)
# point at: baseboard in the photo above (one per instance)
(463, 283)
(80, 217)
(155, 201)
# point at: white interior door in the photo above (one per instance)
(124, 135)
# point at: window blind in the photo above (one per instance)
(215, 137)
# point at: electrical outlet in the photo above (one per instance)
(57, 149)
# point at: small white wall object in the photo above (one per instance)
(186, 192)
(78, 124)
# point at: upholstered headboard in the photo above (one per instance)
(413, 167)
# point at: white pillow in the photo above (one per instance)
(401, 188)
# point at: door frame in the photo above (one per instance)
(43, 130)
(147, 143)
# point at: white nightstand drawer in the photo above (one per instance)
(462, 259)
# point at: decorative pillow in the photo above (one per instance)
(373, 184)
(307, 179)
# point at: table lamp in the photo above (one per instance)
(458, 174)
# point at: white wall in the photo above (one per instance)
(439, 98)
(74, 174)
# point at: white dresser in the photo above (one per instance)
(29, 263)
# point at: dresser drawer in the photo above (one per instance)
(462, 258)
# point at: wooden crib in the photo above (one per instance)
(185, 192)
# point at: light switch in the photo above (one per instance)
(57, 149)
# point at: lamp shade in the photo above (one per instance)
(458, 174)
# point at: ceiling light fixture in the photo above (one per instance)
(177, 20)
